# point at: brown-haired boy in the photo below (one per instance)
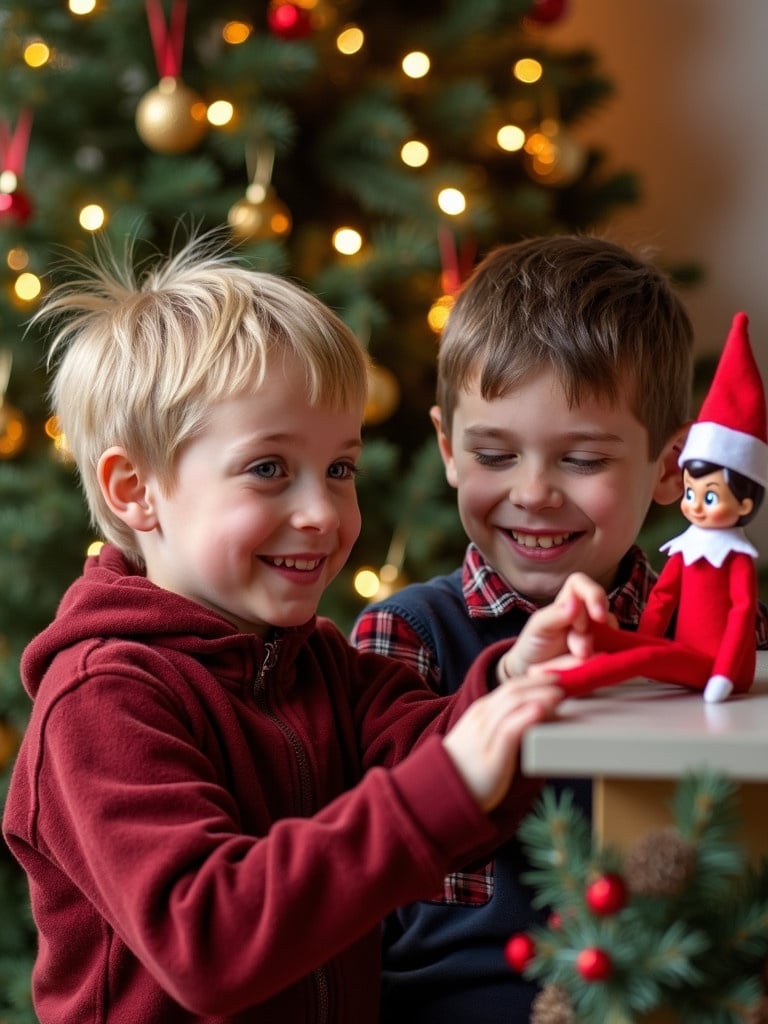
(564, 380)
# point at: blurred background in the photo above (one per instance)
(373, 152)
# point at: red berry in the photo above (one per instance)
(519, 951)
(594, 964)
(607, 894)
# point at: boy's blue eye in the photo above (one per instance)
(266, 470)
(342, 470)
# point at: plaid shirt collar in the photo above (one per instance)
(488, 596)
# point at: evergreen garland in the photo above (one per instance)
(679, 921)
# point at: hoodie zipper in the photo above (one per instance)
(272, 650)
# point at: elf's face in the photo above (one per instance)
(709, 502)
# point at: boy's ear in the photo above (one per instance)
(444, 444)
(669, 486)
(125, 490)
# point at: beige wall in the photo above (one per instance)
(690, 116)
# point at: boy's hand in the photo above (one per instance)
(485, 742)
(560, 630)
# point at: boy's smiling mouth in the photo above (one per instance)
(302, 564)
(543, 541)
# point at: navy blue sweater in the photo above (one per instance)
(444, 962)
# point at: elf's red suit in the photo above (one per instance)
(710, 582)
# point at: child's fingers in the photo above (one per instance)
(588, 594)
(485, 742)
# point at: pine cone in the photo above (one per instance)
(660, 863)
(553, 1006)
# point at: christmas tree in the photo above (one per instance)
(370, 151)
(678, 922)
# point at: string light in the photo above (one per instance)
(94, 547)
(452, 201)
(17, 259)
(235, 32)
(37, 54)
(347, 241)
(220, 112)
(527, 70)
(350, 40)
(416, 64)
(27, 286)
(366, 583)
(92, 217)
(82, 7)
(510, 138)
(414, 153)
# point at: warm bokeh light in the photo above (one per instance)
(510, 138)
(27, 286)
(235, 32)
(414, 153)
(220, 112)
(94, 547)
(527, 70)
(350, 40)
(8, 182)
(82, 7)
(416, 64)
(366, 583)
(92, 217)
(438, 313)
(451, 201)
(37, 54)
(60, 446)
(17, 259)
(347, 241)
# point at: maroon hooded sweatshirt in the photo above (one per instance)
(213, 825)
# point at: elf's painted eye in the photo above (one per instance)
(710, 499)
(689, 494)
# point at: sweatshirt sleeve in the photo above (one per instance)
(130, 808)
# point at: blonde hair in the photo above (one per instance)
(605, 320)
(140, 358)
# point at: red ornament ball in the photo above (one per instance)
(519, 951)
(607, 894)
(544, 12)
(594, 964)
(15, 206)
(289, 21)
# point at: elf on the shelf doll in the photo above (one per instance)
(709, 583)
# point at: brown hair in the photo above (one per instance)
(607, 321)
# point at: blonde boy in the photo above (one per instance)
(217, 799)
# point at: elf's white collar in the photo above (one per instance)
(714, 545)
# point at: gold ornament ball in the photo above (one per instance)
(259, 221)
(383, 395)
(171, 117)
(561, 163)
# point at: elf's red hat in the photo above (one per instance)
(732, 428)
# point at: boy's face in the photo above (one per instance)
(545, 490)
(264, 511)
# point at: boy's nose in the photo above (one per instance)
(532, 487)
(315, 509)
